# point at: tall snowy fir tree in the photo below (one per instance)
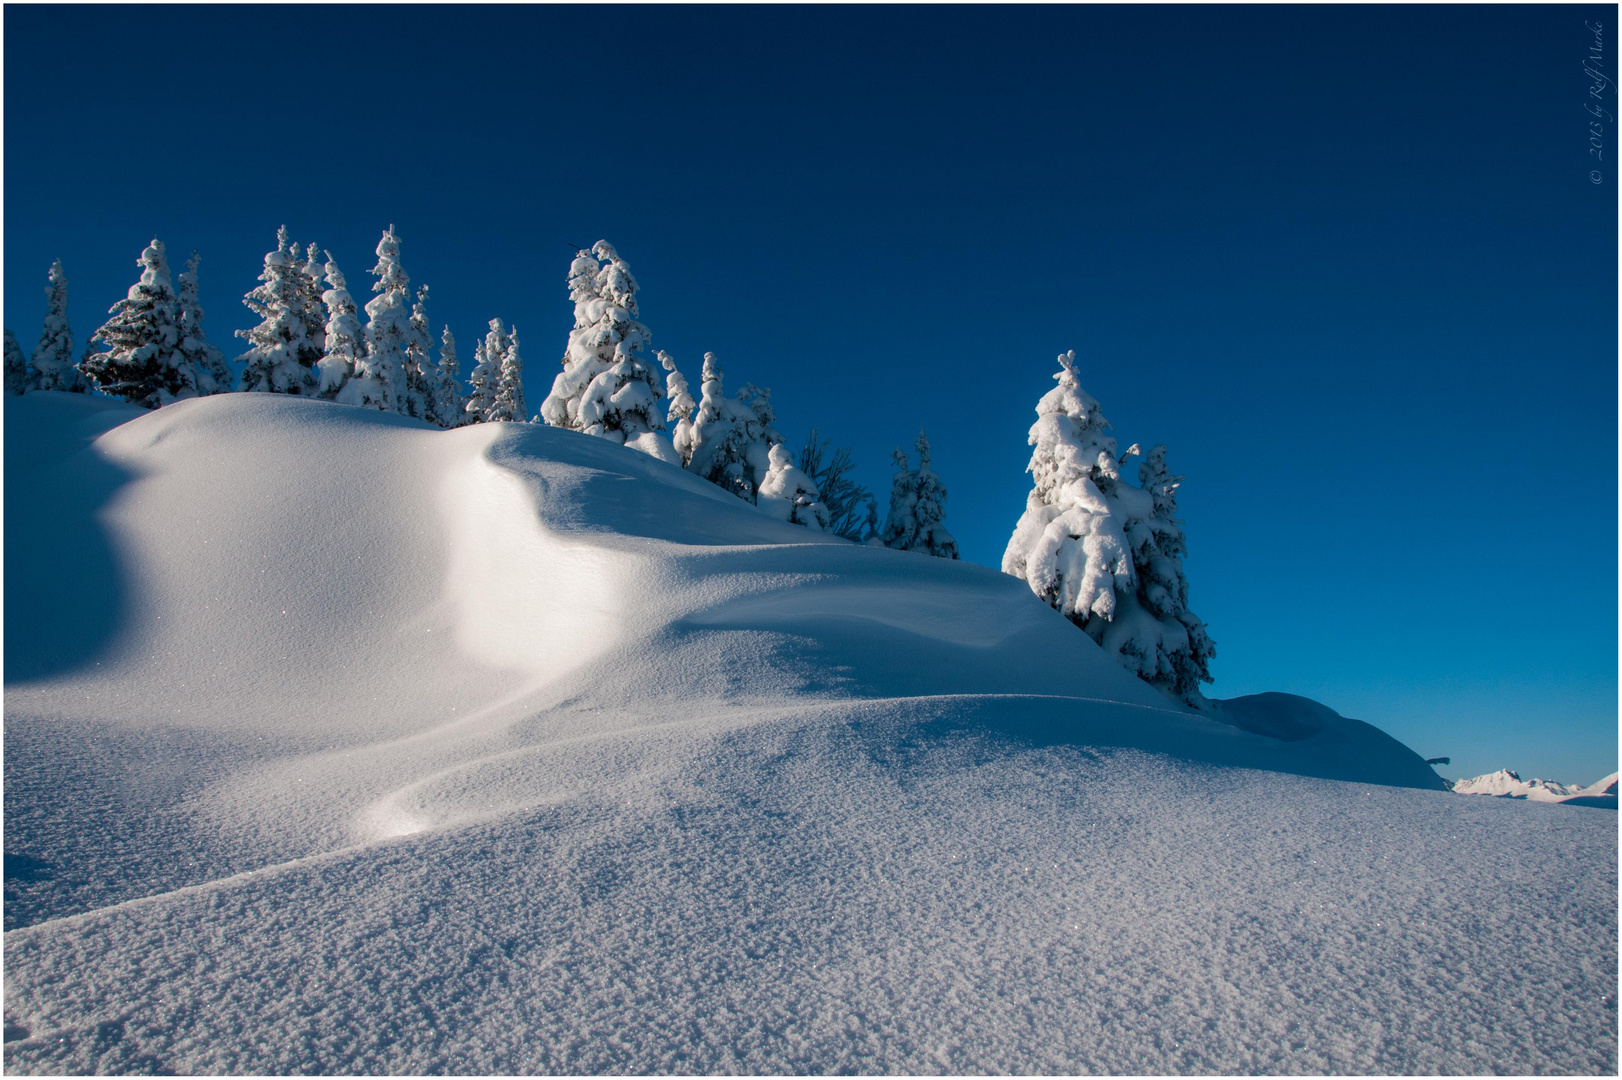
(732, 437)
(142, 363)
(449, 408)
(509, 400)
(1069, 545)
(1104, 552)
(53, 362)
(851, 507)
(918, 508)
(486, 376)
(607, 388)
(282, 358)
(206, 360)
(788, 494)
(379, 379)
(19, 379)
(419, 393)
(344, 338)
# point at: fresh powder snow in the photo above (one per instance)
(335, 742)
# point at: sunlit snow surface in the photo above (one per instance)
(334, 744)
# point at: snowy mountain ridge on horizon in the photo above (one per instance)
(1507, 784)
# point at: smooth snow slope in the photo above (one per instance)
(369, 747)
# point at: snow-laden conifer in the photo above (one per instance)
(929, 533)
(486, 377)
(212, 374)
(345, 340)
(447, 388)
(53, 362)
(282, 358)
(141, 363)
(19, 379)
(900, 527)
(311, 309)
(732, 437)
(852, 510)
(607, 387)
(419, 392)
(787, 493)
(679, 413)
(379, 379)
(1069, 545)
(1153, 633)
(509, 403)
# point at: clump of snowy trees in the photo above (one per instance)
(1105, 552)
(310, 341)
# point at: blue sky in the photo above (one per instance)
(1347, 262)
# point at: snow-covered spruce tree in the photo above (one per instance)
(509, 402)
(53, 362)
(205, 358)
(679, 414)
(345, 341)
(786, 492)
(1155, 634)
(312, 311)
(851, 507)
(900, 527)
(447, 388)
(1099, 549)
(419, 393)
(486, 376)
(1070, 545)
(282, 359)
(732, 437)
(19, 379)
(607, 388)
(929, 508)
(141, 363)
(379, 379)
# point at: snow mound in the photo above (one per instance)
(337, 743)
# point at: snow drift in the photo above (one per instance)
(337, 743)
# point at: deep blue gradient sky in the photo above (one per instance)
(1348, 263)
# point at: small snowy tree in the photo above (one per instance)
(19, 379)
(419, 393)
(900, 527)
(449, 408)
(282, 359)
(851, 507)
(787, 493)
(1069, 545)
(142, 363)
(732, 437)
(53, 363)
(509, 403)
(345, 341)
(929, 508)
(679, 414)
(486, 377)
(379, 379)
(607, 388)
(206, 360)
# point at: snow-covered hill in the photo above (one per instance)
(1506, 783)
(335, 743)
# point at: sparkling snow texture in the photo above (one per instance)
(503, 749)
